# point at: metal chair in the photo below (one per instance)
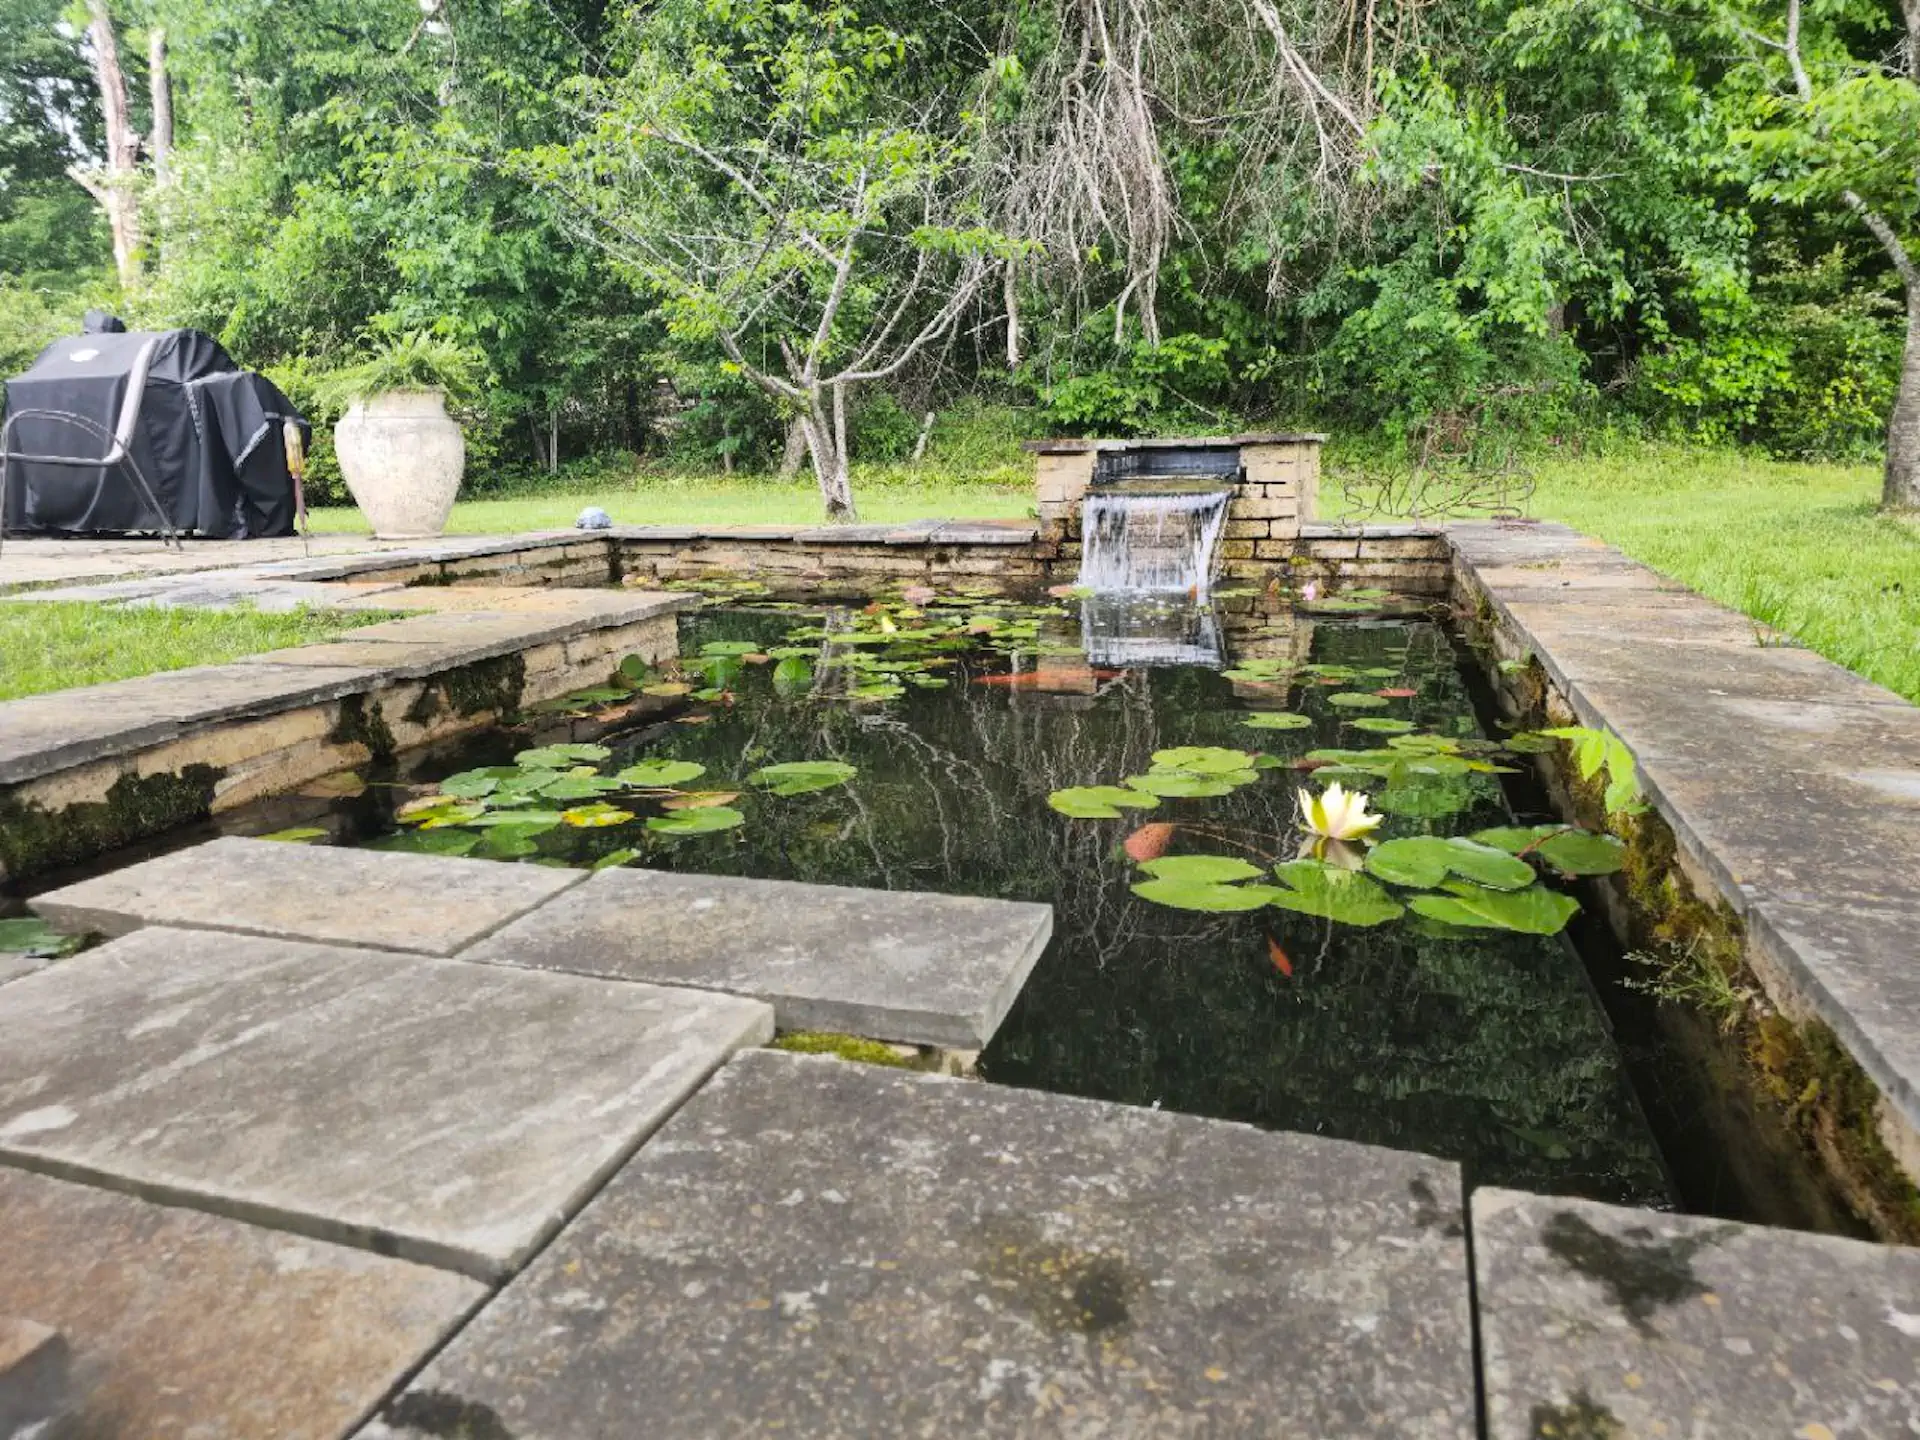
(119, 446)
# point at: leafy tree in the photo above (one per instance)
(1835, 120)
(752, 165)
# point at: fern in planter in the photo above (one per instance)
(416, 360)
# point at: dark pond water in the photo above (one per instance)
(1486, 1048)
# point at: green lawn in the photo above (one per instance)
(1797, 546)
(56, 645)
(712, 500)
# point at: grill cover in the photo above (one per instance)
(208, 440)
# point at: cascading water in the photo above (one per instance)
(1147, 543)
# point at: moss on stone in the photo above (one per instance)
(486, 687)
(34, 839)
(1802, 1067)
(847, 1047)
(362, 722)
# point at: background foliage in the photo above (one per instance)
(1595, 204)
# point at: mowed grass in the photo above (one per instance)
(57, 645)
(1799, 547)
(713, 500)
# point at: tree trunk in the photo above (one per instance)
(160, 89)
(112, 184)
(1902, 486)
(796, 452)
(826, 444)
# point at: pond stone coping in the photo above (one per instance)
(447, 1113)
(939, 970)
(1791, 784)
(1602, 1321)
(43, 734)
(177, 1324)
(381, 900)
(818, 1248)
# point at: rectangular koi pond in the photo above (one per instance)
(1406, 985)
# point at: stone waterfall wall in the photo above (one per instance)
(1275, 497)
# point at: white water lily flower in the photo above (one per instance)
(1339, 814)
(1335, 854)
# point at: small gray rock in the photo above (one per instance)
(593, 518)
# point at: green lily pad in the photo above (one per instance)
(792, 675)
(1570, 851)
(560, 757)
(697, 822)
(660, 774)
(803, 777)
(1178, 785)
(635, 668)
(1203, 895)
(429, 842)
(1381, 725)
(510, 842)
(1425, 861)
(471, 784)
(579, 787)
(1202, 759)
(518, 819)
(1276, 720)
(614, 859)
(1343, 896)
(1099, 802)
(1535, 911)
(1202, 869)
(728, 648)
(666, 689)
(33, 937)
(1425, 797)
(300, 835)
(1357, 700)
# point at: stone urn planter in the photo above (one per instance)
(402, 456)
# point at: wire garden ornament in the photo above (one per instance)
(1459, 464)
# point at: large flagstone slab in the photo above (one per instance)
(184, 1326)
(824, 1249)
(1608, 1322)
(385, 900)
(887, 965)
(450, 1113)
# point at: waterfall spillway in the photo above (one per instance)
(1143, 543)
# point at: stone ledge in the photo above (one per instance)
(420, 904)
(822, 1248)
(1758, 757)
(1081, 447)
(44, 734)
(1602, 1321)
(939, 970)
(447, 1113)
(182, 1324)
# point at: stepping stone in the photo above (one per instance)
(885, 965)
(184, 1326)
(33, 1370)
(1606, 1322)
(817, 1248)
(384, 900)
(448, 1113)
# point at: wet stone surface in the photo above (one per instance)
(910, 968)
(825, 1249)
(428, 904)
(1606, 1322)
(449, 1113)
(183, 1326)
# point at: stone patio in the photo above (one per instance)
(937, 970)
(448, 1113)
(924, 1256)
(258, 1156)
